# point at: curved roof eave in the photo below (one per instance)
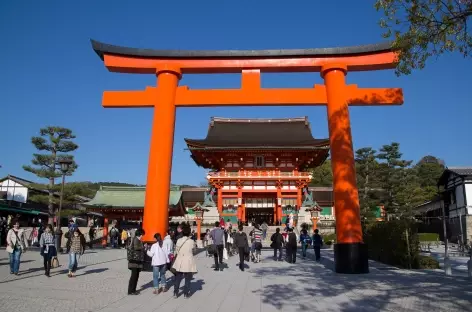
(103, 48)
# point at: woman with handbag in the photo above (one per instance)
(16, 245)
(135, 260)
(48, 249)
(184, 262)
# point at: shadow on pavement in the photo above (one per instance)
(8, 262)
(317, 286)
(93, 271)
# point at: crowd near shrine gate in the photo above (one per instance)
(332, 63)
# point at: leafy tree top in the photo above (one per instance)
(424, 28)
(57, 141)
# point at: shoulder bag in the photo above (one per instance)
(132, 254)
(19, 242)
(171, 265)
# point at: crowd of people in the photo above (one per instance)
(172, 253)
(17, 243)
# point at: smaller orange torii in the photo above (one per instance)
(333, 64)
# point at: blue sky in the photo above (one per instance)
(49, 75)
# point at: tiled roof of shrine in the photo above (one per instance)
(289, 133)
(127, 197)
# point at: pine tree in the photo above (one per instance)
(390, 171)
(57, 142)
(366, 165)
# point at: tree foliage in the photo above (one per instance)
(366, 167)
(322, 175)
(55, 143)
(384, 178)
(424, 28)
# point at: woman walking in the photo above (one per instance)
(77, 248)
(16, 245)
(184, 263)
(48, 249)
(160, 258)
(135, 260)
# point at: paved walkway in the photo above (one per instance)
(102, 279)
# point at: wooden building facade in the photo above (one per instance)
(259, 167)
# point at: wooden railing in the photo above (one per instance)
(259, 174)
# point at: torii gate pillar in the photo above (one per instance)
(160, 154)
(333, 64)
(350, 253)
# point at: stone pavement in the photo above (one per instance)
(101, 285)
(458, 262)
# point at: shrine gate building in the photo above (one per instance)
(259, 167)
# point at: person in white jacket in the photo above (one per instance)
(160, 258)
(168, 243)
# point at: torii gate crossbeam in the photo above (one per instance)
(333, 64)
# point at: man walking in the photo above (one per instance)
(242, 243)
(114, 233)
(291, 246)
(217, 236)
(317, 243)
(277, 242)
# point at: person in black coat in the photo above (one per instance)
(241, 242)
(277, 242)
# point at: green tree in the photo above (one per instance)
(322, 175)
(392, 173)
(56, 142)
(366, 165)
(429, 169)
(424, 28)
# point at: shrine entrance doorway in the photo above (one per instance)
(260, 215)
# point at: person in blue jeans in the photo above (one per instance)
(77, 248)
(16, 245)
(305, 241)
(317, 243)
(160, 258)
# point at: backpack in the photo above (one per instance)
(292, 239)
(114, 232)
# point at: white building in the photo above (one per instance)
(456, 191)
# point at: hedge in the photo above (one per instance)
(328, 238)
(387, 243)
(426, 262)
(428, 237)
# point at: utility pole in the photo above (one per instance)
(447, 264)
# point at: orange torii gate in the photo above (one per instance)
(333, 64)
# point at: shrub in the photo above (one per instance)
(329, 238)
(387, 243)
(426, 262)
(428, 237)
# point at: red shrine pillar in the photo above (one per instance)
(350, 252)
(156, 205)
(279, 205)
(219, 202)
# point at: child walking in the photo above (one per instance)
(160, 258)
